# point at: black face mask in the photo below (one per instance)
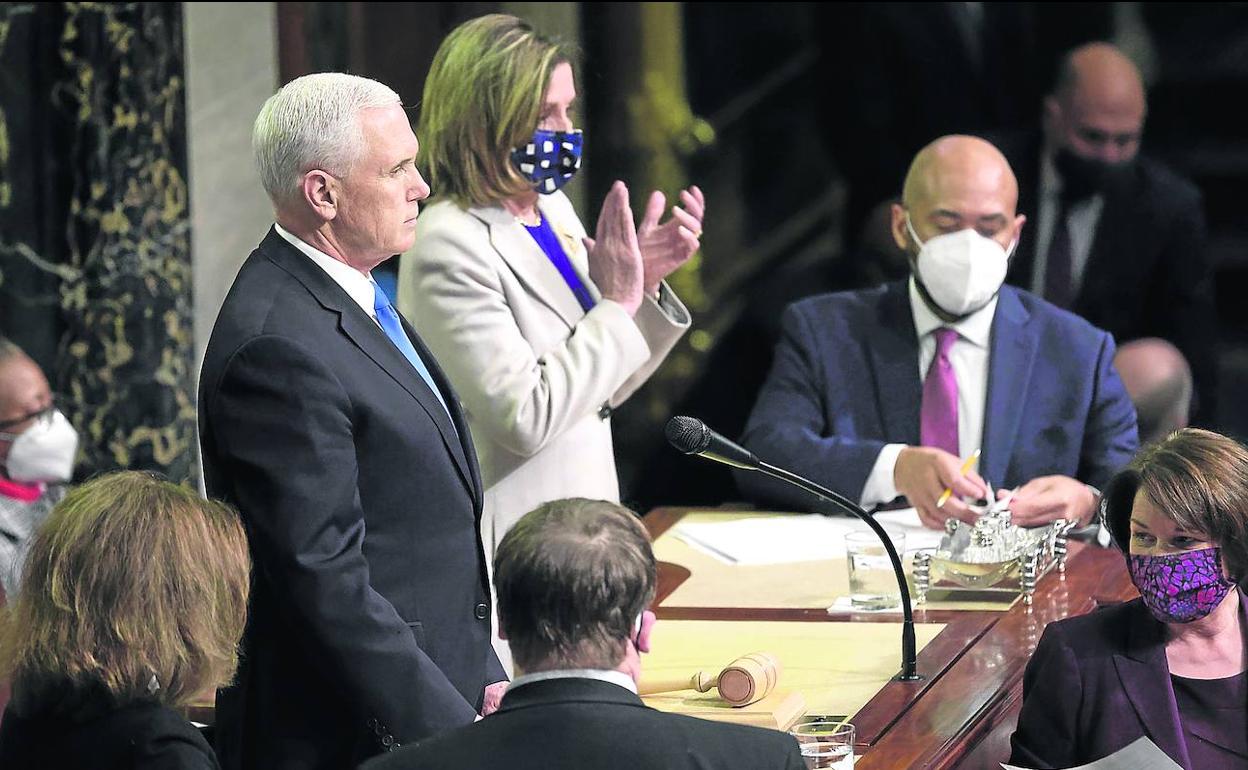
(1084, 177)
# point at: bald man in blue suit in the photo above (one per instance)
(853, 400)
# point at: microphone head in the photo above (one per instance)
(688, 434)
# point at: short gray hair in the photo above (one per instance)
(313, 122)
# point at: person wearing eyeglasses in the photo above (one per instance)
(37, 449)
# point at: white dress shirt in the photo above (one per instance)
(1081, 223)
(969, 358)
(602, 675)
(357, 285)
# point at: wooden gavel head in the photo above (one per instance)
(749, 678)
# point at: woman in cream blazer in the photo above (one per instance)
(537, 373)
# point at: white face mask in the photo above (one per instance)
(44, 452)
(961, 271)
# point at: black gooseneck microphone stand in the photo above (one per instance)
(693, 437)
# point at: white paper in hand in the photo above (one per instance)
(1141, 755)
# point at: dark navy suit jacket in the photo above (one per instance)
(573, 724)
(369, 618)
(1095, 684)
(845, 382)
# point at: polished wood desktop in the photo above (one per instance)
(962, 713)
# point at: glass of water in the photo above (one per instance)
(872, 582)
(826, 744)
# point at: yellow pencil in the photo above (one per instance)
(966, 466)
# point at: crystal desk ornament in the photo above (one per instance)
(991, 555)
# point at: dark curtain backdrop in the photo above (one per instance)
(95, 264)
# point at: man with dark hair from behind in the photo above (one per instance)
(574, 578)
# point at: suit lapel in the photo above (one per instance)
(1145, 677)
(1011, 352)
(893, 355)
(530, 264)
(368, 337)
(365, 334)
(459, 442)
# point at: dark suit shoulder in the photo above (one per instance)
(602, 733)
(839, 303)
(1100, 633)
(736, 740)
(137, 737)
(1165, 187)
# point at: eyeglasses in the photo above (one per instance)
(40, 417)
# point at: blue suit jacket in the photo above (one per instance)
(845, 382)
(1095, 684)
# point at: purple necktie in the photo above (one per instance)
(938, 418)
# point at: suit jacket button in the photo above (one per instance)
(387, 740)
(604, 411)
(372, 724)
(481, 611)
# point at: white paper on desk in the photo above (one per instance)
(794, 537)
(1141, 755)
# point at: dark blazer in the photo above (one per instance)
(1148, 273)
(845, 382)
(572, 724)
(1095, 684)
(369, 617)
(138, 737)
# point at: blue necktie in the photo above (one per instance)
(389, 320)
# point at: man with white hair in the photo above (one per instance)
(328, 424)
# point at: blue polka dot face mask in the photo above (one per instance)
(550, 159)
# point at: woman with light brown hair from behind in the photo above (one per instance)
(132, 602)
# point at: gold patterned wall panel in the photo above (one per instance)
(109, 240)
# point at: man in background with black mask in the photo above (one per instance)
(37, 448)
(1117, 238)
(883, 392)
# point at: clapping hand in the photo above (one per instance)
(667, 246)
(615, 263)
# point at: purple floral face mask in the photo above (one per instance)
(1180, 587)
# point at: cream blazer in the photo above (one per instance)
(537, 376)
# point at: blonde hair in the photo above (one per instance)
(130, 578)
(484, 97)
(313, 122)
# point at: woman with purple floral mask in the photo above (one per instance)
(1170, 665)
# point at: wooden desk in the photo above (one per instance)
(962, 714)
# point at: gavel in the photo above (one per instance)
(747, 679)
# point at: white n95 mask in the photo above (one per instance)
(44, 452)
(961, 271)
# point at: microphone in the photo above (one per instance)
(693, 437)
